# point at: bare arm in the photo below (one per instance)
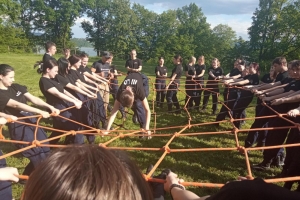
(113, 114)
(269, 85)
(24, 107)
(148, 113)
(277, 94)
(271, 89)
(274, 92)
(90, 81)
(94, 77)
(77, 89)
(39, 102)
(172, 79)
(6, 116)
(61, 95)
(292, 98)
(242, 82)
(202, 73)
(87, 86)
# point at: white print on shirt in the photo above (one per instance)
(130, 82)
(18, 93)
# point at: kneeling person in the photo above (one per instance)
(133, 93)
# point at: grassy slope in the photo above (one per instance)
(213, 167)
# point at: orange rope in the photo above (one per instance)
(172, 133)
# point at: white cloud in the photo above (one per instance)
(209, 7)
(238, 24)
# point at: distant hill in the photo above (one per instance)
(81, 42)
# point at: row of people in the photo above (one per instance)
(194, 84)
(280, 90)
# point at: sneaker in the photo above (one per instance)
(278, 161)
(261, 166)
(135, 119)
(109, 108)
(124, 116)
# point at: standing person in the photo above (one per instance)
(13, 101)
(67, 53)
(81, 79)
(174, 84)
(246, 96)
(132, 93)
(160, 82)
(59, 98)
(232, 93)
(200, 71)
(114, 84)
(133, 64)
(50, 48)
(190, 86)
(234, 73)
(102, 68)
(86, 115)
(214, 74)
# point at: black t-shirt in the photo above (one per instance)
(134, 80)
(266, 78)
(293, 85)
(15, 92)
(162, 70)
(76, 75)
(234, 72)
(178, 71)
(83, 69)
(190, 70)
(286, 80)
(199, 69)
(133, 64)
(45, 85)
(47, 57)
(112, 69)
(71, 79)
(253, 79)
(281, 76)
(62, 80)
(101, 67)
(216, 72)
(255, 189)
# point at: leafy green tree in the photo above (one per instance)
(96, 30)
(122, 23)
(196, 30)
(52, 18)
(224, 40)
(275, 30)
(145, 31)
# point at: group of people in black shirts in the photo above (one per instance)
(280, 89)
(73, 92)
(69, 82)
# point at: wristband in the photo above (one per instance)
(177, 186)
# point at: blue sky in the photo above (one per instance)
(235, 13)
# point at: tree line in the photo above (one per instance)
(119, 26)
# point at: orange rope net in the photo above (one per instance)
(119, 134)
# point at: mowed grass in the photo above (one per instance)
(204, 166)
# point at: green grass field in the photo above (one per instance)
(206, 166)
